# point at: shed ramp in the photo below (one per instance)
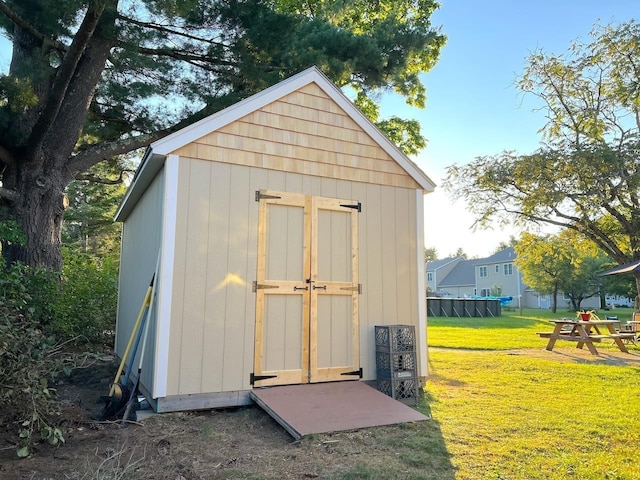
(331, 407)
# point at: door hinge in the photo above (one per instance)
(256, 378)
(355, 372)
(357, 207)
(261, 286)
(261, 196)
(355, 288)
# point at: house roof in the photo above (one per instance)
(505, 255)
(436, 264)
(462, 274)
(156, 152)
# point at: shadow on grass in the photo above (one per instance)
(415, 451)
(422, 447)
(437, 457)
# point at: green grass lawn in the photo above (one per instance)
(504, 416)
(507, 332)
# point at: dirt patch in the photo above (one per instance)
(228, 443)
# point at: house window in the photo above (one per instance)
(483, 271)
(485, 292)
(429, 276)
(508, 268)
(497, 268)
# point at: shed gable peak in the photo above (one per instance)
(307, 81)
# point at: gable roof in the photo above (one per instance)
(504, 255)
(462, 274)
(437, 264)
(156, 152)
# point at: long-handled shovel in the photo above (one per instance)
(134, 390)
(114, 402)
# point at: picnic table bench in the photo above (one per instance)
(585, 333)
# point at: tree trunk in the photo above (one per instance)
(38, 209)
(554, 299)
(41, 165)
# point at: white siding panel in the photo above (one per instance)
(239, 290)
(404, 253)
(423, 341)
(197, 242)
(165, 286)
(180, 280)
(388, 257)
(141, 235)
(217, 278)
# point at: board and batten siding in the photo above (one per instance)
(213, 308)
(141, 239)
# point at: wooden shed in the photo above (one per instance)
(287, 226)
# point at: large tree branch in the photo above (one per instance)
(68, 124)
(64, 76)
(25, 25)
(91, 155)
(595, 235)
(169, 30)
(93, 178)
(195, 59)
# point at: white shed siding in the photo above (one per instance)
(141, 238)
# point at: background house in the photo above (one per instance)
(440, 269)
(496, 275)
(460, 282)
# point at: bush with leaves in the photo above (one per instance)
(87, 303)
(29, 361)
(47, 322)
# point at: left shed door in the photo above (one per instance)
(282, 294)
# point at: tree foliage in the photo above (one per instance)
(564, 263)
(586, 176)
(430, 254)
(93, 201)
(89, 81)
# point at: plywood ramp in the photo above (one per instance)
(331, 407)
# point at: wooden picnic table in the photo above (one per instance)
(585, 333)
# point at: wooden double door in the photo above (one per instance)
(306, 290)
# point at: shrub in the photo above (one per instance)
(29, 360)
(41, 313)
(88, 298)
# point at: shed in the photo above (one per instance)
(285, 228)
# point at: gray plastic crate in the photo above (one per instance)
(395, 338)
(404, 390)
(396, 364)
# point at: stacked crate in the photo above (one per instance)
(396, 362)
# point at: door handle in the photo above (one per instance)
(322, 287)
(295, 289)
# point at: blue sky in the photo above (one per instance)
(473, 107)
